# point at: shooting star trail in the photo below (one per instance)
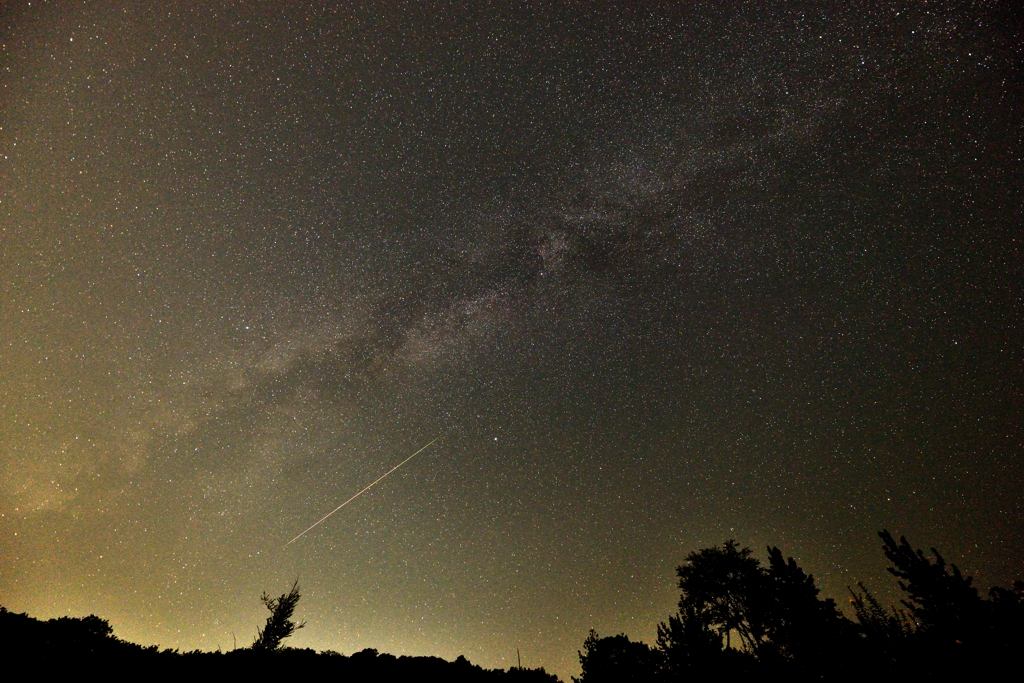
(361, 492)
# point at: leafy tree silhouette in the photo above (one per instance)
(886, 627)
(941, 599)
(688, 644)
(802, 629)
(956, 632)
(723, 585)
(279, 624)
(776, 611)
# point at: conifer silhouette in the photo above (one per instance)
(279, 624)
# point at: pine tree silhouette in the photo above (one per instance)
(279, 624)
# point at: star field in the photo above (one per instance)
(660, 274)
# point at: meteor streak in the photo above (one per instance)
(361, 492)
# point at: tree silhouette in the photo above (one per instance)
(723, 585)
(688, 643)
(279, 624)
(776, 611)
(886, 633)
(942, 600)
(786, 631)
(615, 659)
(802, 629)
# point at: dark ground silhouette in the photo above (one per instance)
(87, 644)
(738, 618)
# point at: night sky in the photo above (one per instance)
(659, 275)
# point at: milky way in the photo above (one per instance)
(664, 275)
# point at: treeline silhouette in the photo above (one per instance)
(737, 619)
(740, 619)
(84, 644)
